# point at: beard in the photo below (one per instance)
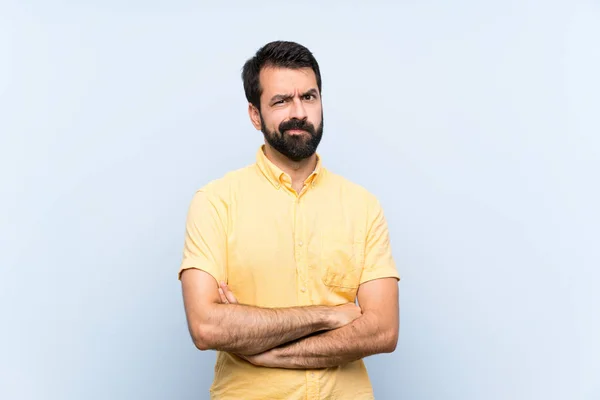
(294, 147)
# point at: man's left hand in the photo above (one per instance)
(265, 359)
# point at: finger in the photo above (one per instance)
(222, 296)
(228, 293)
(230, 297)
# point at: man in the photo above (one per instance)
(277, 253)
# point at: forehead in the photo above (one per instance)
(275, 80)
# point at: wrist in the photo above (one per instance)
(280, 356)
(329, 318)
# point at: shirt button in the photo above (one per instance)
(303, 289)
(300, 243)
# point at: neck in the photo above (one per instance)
(297, 170)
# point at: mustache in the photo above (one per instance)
(297, 124)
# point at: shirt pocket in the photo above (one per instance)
(342, 262)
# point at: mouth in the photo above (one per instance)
(296, 132)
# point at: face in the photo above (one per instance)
(291, 115)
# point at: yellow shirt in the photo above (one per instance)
(277, 248)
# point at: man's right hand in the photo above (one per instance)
(345, 314)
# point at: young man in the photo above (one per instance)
(277, 253)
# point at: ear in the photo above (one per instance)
(254, 116)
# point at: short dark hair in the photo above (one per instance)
(282, 54)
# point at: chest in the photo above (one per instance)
(293, 250)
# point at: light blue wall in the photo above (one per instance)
(475, 123)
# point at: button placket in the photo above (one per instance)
(301, 253)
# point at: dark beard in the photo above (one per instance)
(294, 147)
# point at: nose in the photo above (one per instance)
(297, 109)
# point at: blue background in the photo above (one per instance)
(475, 123)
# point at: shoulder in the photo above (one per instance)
(221, 190)
(222, 186)
(351, 190)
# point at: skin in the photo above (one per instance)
(374, 332)
(247, 330)
(295, 337)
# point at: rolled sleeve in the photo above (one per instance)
(205, 237)
(379, 262)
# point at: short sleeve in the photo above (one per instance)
(379, 262)
(205, 240)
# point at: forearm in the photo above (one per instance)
(361, 338)
(248, 330)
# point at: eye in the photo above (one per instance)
(308, 96)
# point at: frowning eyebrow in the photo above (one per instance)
(279, 97)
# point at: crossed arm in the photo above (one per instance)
(294, 337)
(248, 330)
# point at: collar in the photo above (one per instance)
(276, 176)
